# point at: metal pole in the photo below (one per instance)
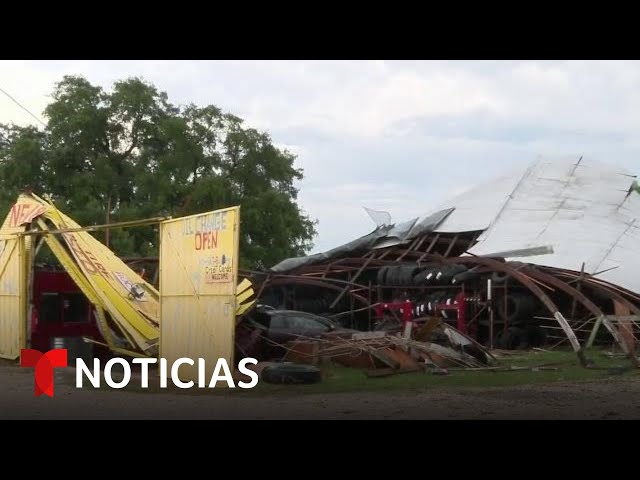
(490, 302)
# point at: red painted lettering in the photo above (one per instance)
(15, 214)
(99, 266)
(198, 241)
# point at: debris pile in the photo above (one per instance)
(543, 257)
(381, 353)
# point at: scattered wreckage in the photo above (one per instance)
(543, 257)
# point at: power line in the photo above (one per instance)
(23, 107)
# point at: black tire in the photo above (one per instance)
(382, 275)
(518, 338)
(407, 273)
(536, 335)
(519, 308)
(498, 277)
(291, 373)
(513, 339)
(392, 276)
(430, 275)
(466, 276)
(420, 277)
(446, 273)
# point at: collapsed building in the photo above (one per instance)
(95, 297)
(544, 256)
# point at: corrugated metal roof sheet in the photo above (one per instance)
(569, 210)
(580, 208)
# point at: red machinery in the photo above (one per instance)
(407, 310)
(459, 305)
(60, 309)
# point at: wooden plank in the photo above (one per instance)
(623, 318)
(430, 247)
(451, 244)
(384, 358)
(350, 284)
(368, 335)
(385, 372)
(411, 247)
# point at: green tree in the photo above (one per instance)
(636, 186)
(128, 153)
(23, 152)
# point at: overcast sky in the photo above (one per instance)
(399, 136)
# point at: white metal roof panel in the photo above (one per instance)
(580, 208)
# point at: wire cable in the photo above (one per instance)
(23, 107)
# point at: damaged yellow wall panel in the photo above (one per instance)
(112, 281)
(198, 281)
(12, 307)
(13, 268)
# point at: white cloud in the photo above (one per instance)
(392, 135)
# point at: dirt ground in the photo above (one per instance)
(613, 398)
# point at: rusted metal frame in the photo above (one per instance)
(583, 322)
(370, 301)
(422, 240)
(578, 296)
(586, 275)
(340, 314)
(606, 288)
(444, 239)
(412, 246)
(302, 278)
(341, 261)
(451, 244)
(430, 247)
(352, 305)
(351, 283)
(613, 293)
(472, 242)
(335, 270)
(317, 283)
(484, 307)
(327, 269)
(332, 265)
(506, 307)
(536, 290)
(612, 287)
(415, 246)
(578, 287)
(387, 252)
(356, 290)
(264, 284)
(413, 254)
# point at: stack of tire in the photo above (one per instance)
(428, 305)
(439, 275)
(522, 330)
(409, 275)
(397, 276)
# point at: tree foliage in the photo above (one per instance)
(127, 153)
(636, 186)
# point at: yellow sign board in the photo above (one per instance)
(15, 256)
(198, 281)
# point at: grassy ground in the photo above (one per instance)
(340, 379)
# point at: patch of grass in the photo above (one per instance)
(340, 379)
